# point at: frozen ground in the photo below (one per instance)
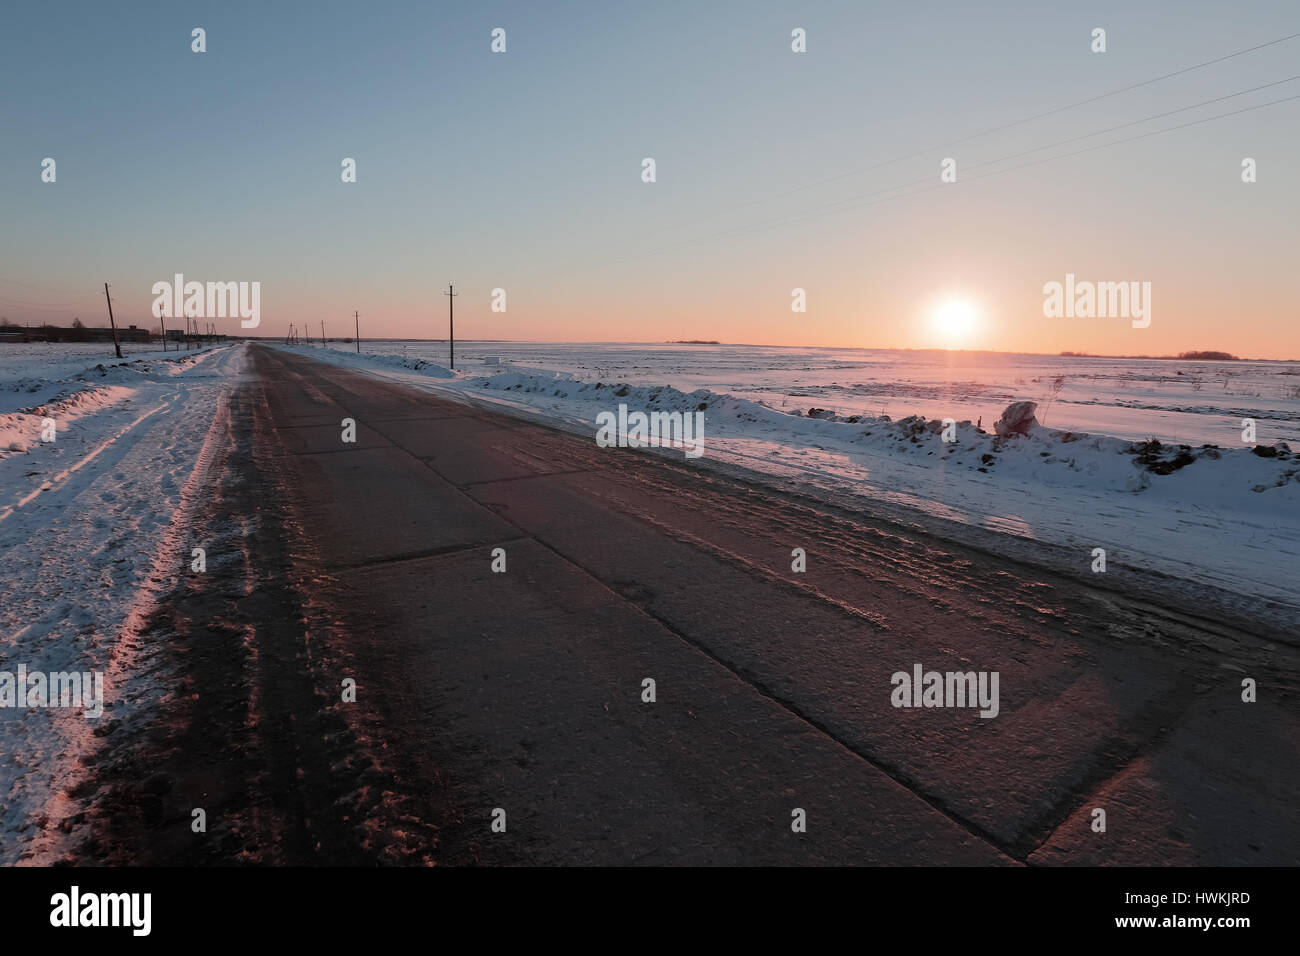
(1223, 516)
(91, 526)
(57, 360)
(1189, 402)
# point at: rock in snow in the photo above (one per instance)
(1017, 419)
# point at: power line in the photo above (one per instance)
(1085, 102)
(1048, 159)
(998, 129)
(1101, 132)
(1137, 122)
(856, 202)
(1130, 139)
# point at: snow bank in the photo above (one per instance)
(20, 430)
(67, 388)
(403, 362)
(1236, 476)
(375, 361)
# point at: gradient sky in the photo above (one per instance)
(522, 170)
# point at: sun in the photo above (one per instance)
(954, 320)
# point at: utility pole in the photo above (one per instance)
(451, 321)
(357, 316)
(322, 333)
(116, 347)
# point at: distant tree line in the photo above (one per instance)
(1208, 356)
(1186, 356)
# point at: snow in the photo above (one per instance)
(1189, 402)
(91, 527)
(1221, 516)
(41, 380)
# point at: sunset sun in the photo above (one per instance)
(954, 321)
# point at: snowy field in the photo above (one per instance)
(25, 366)
(1089, 476)
(1176, 402)
(92, 529)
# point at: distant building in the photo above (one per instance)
(55, 333)
(128, 334)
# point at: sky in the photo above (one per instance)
(775, 170)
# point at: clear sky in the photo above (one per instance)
(522, 170)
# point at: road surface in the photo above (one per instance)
(520, 696)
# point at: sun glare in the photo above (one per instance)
(954, 321)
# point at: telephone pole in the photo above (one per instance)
(116, 347)
(322, 333)
(451, 321)
(357, 316)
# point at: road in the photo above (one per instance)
(521, 695)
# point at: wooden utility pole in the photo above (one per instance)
(357, 316)
(322, 333)
(116, 347)
(163, 325)
(451, 322)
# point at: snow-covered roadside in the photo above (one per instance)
(91, 526)
(1224, 517)
(65, 389)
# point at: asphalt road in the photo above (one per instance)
(523, 691)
